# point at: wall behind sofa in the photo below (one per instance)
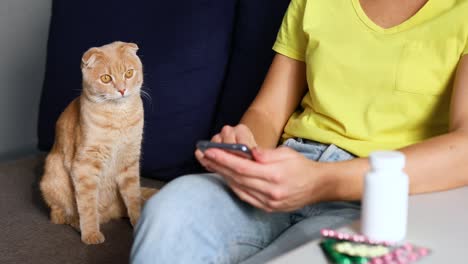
(23, 37)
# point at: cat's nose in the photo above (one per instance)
(122, 91)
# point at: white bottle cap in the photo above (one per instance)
(387, 160)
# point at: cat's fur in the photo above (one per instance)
(92, 172)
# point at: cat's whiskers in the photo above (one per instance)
(145, 95)
(99, 98)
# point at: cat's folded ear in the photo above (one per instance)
(90, 57)
(130, 47)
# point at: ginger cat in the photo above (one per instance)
(92, 172)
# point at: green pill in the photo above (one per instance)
(328, 247)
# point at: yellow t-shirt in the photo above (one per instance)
(372, 88)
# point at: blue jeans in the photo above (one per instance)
(197, 219)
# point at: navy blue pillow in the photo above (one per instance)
(184, 45)
(256, 27)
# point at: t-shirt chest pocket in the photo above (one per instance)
(426, 67)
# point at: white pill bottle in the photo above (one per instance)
(385, 197)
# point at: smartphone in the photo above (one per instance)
(236, 149)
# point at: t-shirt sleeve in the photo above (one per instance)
(291, 40)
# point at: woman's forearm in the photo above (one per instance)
(260, 123)
(281, 92)
(437, 164)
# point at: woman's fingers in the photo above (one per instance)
(257, 199)
(248, 197)
(239, 134)
(199, 154)
(236, 165)
(228, 135)
(263, 190)
(217, 138)
(220, 169)
(200, 157)
(254, 183)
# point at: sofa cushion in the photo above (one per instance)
(28, 236)
(184, 46)
(256, 28)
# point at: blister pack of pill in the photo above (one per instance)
(342, 248)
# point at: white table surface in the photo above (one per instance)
(438, 221)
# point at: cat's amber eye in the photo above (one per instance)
(106, 78)
(129, 73)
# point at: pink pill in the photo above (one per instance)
(360, 238)
(324, 232)
(413, 257)
(408, 247)
(402, 261)
(387, 257)
(423, 251)
(401, 258)
(377, 261)
(399, 252)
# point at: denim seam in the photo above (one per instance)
(239, 240)
(328, 153)
(308, 211)
(245, 240)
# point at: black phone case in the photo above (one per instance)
(236, 149)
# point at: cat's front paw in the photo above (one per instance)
(92, 238)
(58, 217)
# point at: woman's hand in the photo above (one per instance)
(279, 180)
(239, 134)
